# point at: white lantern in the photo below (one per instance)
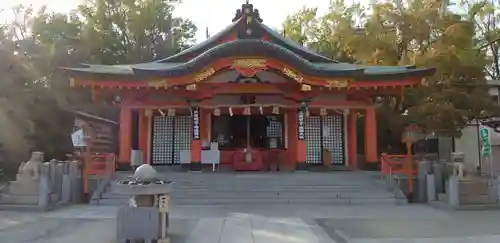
(217, 112)
(230, 111)
(171, 112)
(323, 112)
(276, 110)
(247, 111)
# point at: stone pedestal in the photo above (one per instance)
(26, 188)
(147, 216)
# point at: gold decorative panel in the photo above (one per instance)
(338, 83)
(305, 87)
(158, 84)
(249, 63)
(293, 75)
(204, 74)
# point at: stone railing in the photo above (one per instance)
(447, 184)
(55, 183)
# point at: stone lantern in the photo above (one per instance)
(146, 217)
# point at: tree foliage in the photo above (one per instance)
(485, 15)
(417, 32)
(34, 94)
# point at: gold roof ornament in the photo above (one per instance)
(291, 74)
(157, 84)
(204, 74)
(305, 87)
(339, 83)
(249, 63)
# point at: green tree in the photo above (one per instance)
(34, 94)
(420, 33)
(133, 31)
(485, 15)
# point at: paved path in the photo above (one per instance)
(284, 224)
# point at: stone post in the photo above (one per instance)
(439, 176)
(75, 176)
(58, 181)
(453, 191)
(66, 184)
(44, 186)
(497, 181)
(52, 175)
(422, 179)
(431, 188)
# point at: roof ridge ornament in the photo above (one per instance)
(247, 10)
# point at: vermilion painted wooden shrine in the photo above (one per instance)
(246, 89)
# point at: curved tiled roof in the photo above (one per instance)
(249, 47)
(249, 29)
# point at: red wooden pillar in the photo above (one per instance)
(371, 155)
(196, 117)
(352, 139)
(301, 139)
(125, 135)
(144, 135)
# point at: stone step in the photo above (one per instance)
(476, 200)
(22, 189)
(290, 195)
(19, 199)
(279, 201)
(474, 188)
(264, 188)
(260, 197)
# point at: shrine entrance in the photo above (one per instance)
(247, 86)
(242, 131)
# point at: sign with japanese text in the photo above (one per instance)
(78, 138)
(301, 124)
(485, 137)
(196, 123)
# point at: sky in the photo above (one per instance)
(211, 14)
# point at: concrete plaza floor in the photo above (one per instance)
(264, 224)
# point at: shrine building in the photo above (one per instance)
(246, 90)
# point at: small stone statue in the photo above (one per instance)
(31, 168)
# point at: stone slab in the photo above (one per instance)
(206, 230)
(237, 229)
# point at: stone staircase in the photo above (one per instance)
(333, 188)
(475, 191)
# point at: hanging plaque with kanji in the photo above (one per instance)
(300, 124)
(196, 123)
